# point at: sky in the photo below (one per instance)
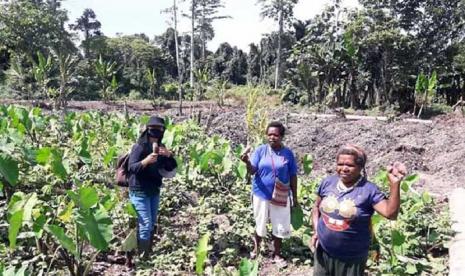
(144, 16)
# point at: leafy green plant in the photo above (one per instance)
(106, 72)
(201, 253)
(42, 71)
(425, 87)
(248, 268)
(255, 118)
(84, 221)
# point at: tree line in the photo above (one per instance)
(382, 53)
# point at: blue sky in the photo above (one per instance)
(143, 16)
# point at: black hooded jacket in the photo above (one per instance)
(146, 181)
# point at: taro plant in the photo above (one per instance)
(407, 243)
(83, 222)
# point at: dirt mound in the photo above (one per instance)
(435, 151)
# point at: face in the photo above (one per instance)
(157, 130)
(347, 169)
(274, 137)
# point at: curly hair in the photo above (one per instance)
(276, 124)
(357, 152)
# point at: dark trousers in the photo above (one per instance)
(325, 265)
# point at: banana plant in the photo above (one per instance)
(425, 87)
(106, 71)
(42, 71)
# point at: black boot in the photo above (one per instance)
(145, 247)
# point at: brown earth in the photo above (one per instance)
(435, 151)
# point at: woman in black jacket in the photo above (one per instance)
(149, 162)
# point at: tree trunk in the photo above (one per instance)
(278, 56)
(180, 77)
(202, 36)
(192, 43)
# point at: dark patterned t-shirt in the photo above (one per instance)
(343, 226)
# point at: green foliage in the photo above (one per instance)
(425, 87)
(406, 243)
(61, 198)
(106, 72)
(201, 253)
(9, 170)
(255, 117)
(248, 268)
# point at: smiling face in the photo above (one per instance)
(347, 169)
(274, 137)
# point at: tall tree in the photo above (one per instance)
(90, 26)
(173, 10)
(282, 12)
(207, 13)
(30, 26)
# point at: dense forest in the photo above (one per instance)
(401, 54)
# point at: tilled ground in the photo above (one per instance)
(435, 151)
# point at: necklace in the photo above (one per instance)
(343, 188)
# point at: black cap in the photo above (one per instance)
(156, 121)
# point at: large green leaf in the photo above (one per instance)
(241, 170)
(397, 238)
(129, 208)
(83, 151)
(38, 225)
(201, 253)
(9, 169)
(65, 241)
(109, 156)
(30, 201)
(130, 242)
(308, 163)
(15, 222)
(248, 268)
(58, 168)
(297, 217)
(98, 228)
(43, 155)
(88, 197)
(65, 214)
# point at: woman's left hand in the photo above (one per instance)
(165, 152)
(396, 172)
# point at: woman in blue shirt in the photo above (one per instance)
(342, 213)
(271, 163)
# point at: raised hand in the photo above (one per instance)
(164, 152)
(150, 159)
(396, 172)
(245, 155)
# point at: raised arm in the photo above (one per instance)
(389, 208)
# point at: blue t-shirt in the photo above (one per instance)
(343, 226)
(264, 179)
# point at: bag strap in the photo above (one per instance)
(272, 163)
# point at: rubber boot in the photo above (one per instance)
(145, 247)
